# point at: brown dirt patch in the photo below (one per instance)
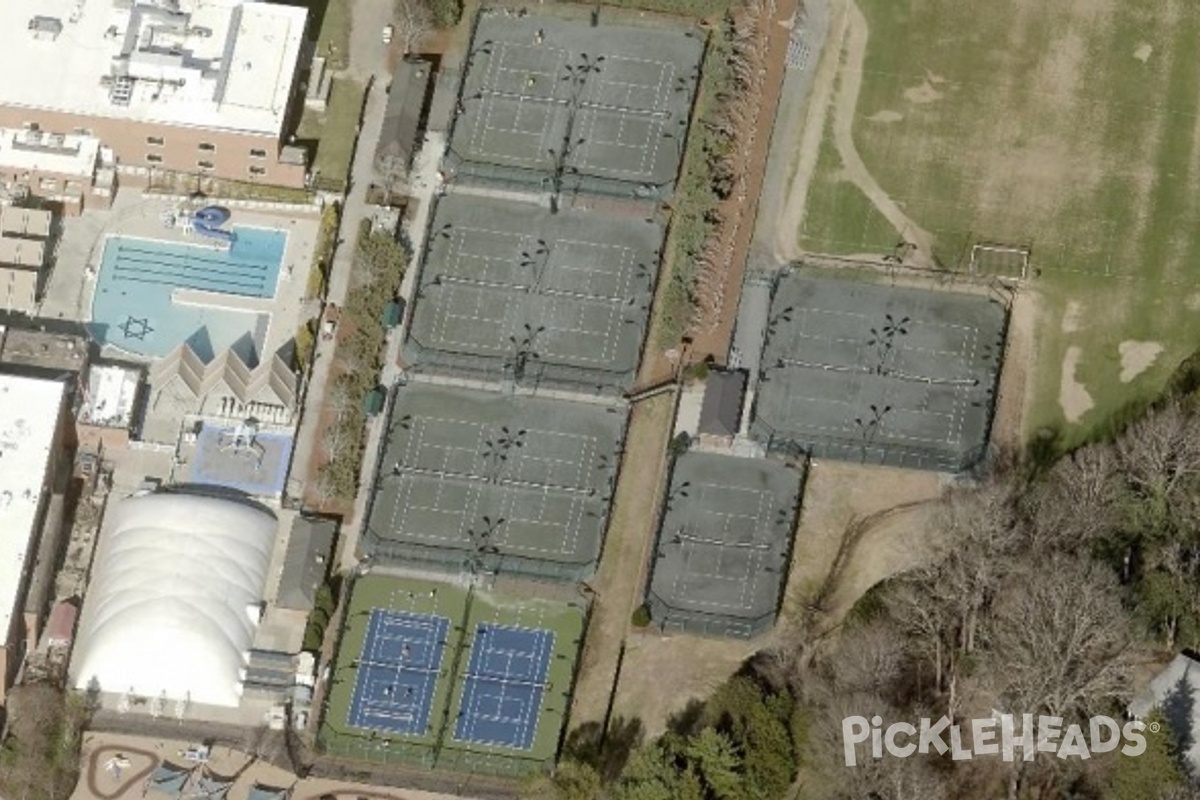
(620, 578)
(885, 116)
(922, 94)
(662, 673)
(1137, 357)
(1072, 316)
(1012, 397)
(837, 495)
(1073, 396)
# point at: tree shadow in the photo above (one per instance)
(1179, 708)
(607, 753)
(689, 720)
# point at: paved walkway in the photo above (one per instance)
(368, 63)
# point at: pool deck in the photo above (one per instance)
(77, 260)
(223, 300)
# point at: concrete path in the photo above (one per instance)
(368, 63)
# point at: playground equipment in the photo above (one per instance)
(207, 221)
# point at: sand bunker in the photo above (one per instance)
(886, 116)
(925, 93)
(1142, 52)
(1072, 395)
(1070, 320)
(1137, 357)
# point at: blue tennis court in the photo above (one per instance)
(504, 684)
(398, 672)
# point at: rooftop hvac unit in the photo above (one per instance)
(122, 91)
(46, 27)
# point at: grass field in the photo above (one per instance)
(465, 608)
(334, 129)
(1071, 126)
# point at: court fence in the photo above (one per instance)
(790, 445)
(457, 562)
(680, 620)
(530, 374)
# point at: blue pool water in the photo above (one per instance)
(133, 308)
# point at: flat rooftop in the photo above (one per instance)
(29, 409)
(215, 64)
(112, 391)
(22, 253)
(31, 223)
(38, 151)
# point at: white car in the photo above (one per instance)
(388, 32)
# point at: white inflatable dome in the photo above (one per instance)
(168, 611)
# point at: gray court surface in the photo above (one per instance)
(874, 373)
(548, 99)
(509, 291)
(724, 544)
(478, 481)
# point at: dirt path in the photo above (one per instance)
(1012, 395)
(842, 64)
(787, 232)
(859, 525)
(619, 580)
(843, 123)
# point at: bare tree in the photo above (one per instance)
(1078, 501)
(340, 401)
(1161, 449)
(413, 21)
(1061, 640)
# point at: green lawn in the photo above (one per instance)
(334, 129)
(1071, 127)
(333, 40)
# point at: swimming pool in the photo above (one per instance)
(134, 308)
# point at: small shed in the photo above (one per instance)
(374, 401)
(60, 629)
(403, 118)
(306, 563)
(721, 412)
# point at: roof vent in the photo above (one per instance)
(46, 27)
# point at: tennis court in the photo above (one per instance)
(510, 291)
(490, 677)
(399, 635)
(398, 671)
(478, 481)
(502, 690)
(724, 544)
(875, 373)
(551, 96)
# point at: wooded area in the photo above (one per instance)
(1051, 586)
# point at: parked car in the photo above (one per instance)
(388, 32)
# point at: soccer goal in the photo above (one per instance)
(1000, 261)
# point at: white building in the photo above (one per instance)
(175, 600)
(32, 412)
(199, 86)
